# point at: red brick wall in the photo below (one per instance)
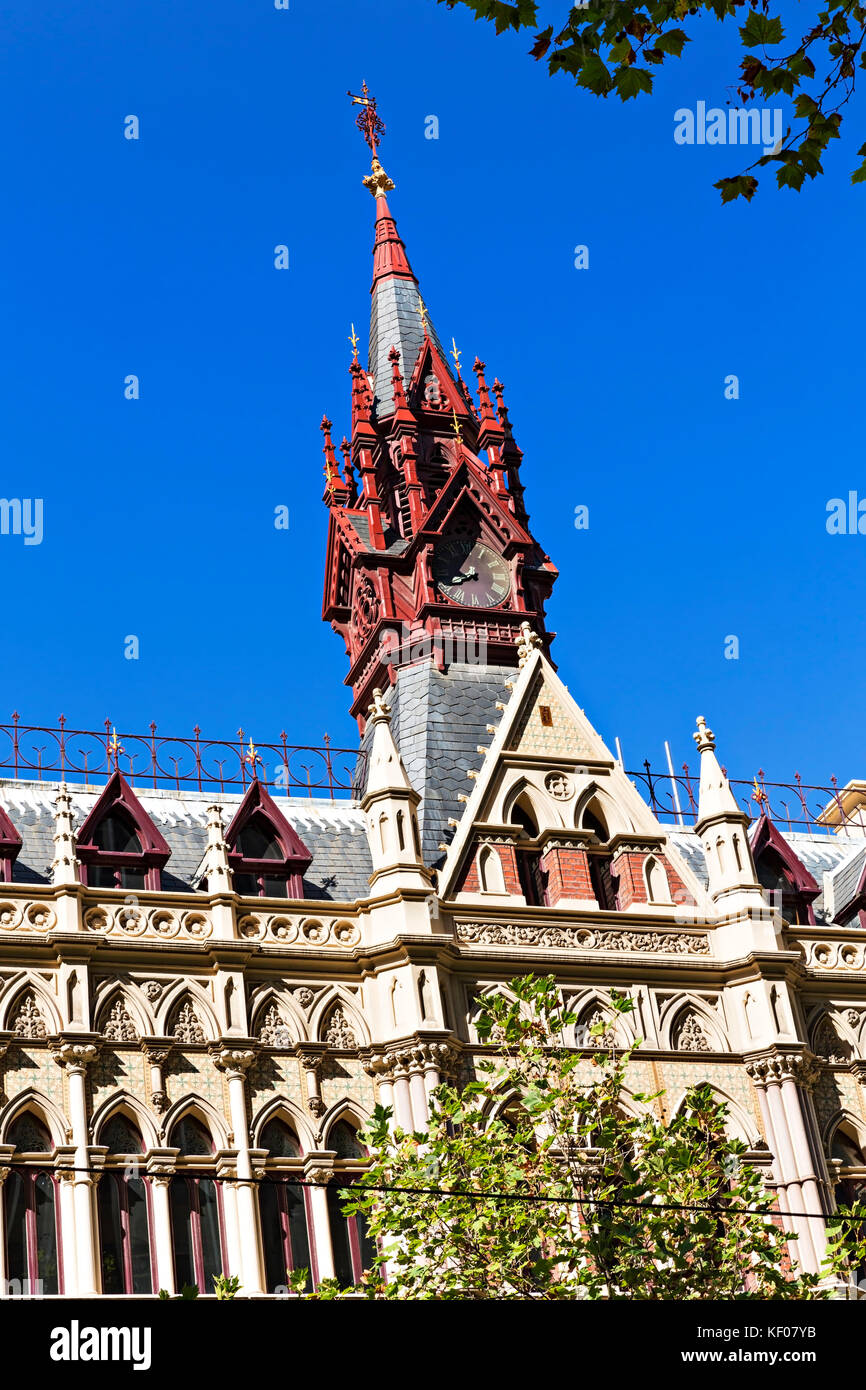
(567, 870)
(471, 883)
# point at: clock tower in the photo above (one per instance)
(431, 567)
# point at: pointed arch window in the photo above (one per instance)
(283, 1207)
(354, 1251)
(532, 877)
(196, 1209)
(266, 856)
(125, 1217)
(605, 883)
(10, 844)
(31, 1209)
(118, 845)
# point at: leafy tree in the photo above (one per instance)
(478, 1207)
(610, 47)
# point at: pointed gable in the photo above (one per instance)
(118, 844)
(780, 870)
(266, 855)
(552, 798)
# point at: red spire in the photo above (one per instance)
(335, 488)
(401, 408)
(487, 415)
(389, 253)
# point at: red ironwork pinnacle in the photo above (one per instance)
(368, 120)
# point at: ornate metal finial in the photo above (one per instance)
(704, 736)
(368, 120)
(115, 746)
(527, 642)
(422, 314)
(354, 340)
(252, 757)
(457, 430)
(759, 794)
(456, 354)
(378, 710)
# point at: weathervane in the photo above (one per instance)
(368, 121)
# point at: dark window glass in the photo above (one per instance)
(340, 1241)
(343, 1139)
(120, 1136)
(247, 885)
(29, 1135)
(279, 1140)
(110, 1235)
(212, 1261)
(139, 1236)
(273, 1237)
(258, 841)
(181, 1231)
(275, 888)
(191, 1137)
(15, 1200)
(116, 833)
(298, 1236)
(131, 878)
(46, 1234)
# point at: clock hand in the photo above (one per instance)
(463, 576)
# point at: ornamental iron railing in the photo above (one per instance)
(798, 805)
(31, 752)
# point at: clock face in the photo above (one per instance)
(470, 573)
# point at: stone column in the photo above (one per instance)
(311, 1056)
(318, 1170)
(160, 1170)
(773, 1074)
(156, 1051)
(235, 1062)
(75, 1057)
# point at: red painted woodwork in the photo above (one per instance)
(278, 871)
(119, 805)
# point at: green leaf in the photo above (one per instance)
(760, 30)
(743, 186)
(595, 76)
(630, 81)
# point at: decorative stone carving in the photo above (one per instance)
(559, 786)
(28, 1021)
(583, 1037)
(159, 1101)
(234, 1061)
(304, 997)
(119, 1027)
(152, 989)
(581, 938)
(274, 1031)
(75, 1055)
(827, 1043)
(783, 1066)
(690, 1035)
(338, 1032)
(187, 1026)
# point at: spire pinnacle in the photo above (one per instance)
(704, 736)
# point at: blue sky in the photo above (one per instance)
(155, 257)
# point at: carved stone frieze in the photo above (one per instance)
(582, 938)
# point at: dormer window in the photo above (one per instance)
(266, 856)
(10, 844)
(781, 873)
(118, 845)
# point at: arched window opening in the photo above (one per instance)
(31, 1211)
(124, 1212)
(266, 856)
(657, 890)
(118, 845)
(849, 1161)
(354, 1251)
(490, 872)
(283, 1207)
(782, 874)
(196, 1214)
(605, 883)
(401, 837)
(532, 877)
(593, 820)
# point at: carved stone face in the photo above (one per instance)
(470, 573)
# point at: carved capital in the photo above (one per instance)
(75, 1056)
(159, 1102)
(310, 1055)
(234, 1061)
(774, 1067)
(156, 1050)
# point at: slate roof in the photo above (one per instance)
(333, 832)
(846, 878)
(361, 523)
(395, 321)
(438, 720)
(821, 855)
